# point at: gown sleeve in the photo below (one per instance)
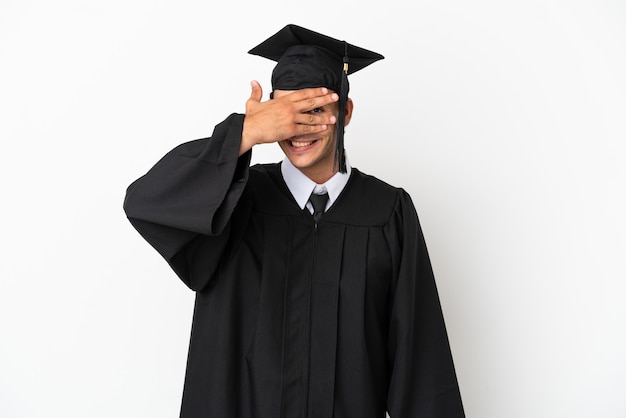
(423, 381)
(185, 202)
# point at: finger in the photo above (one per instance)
(309, 129)
(315, 119)
(257, 92)
(309, 93)
(310, 103)
(296, 96)
(305, 94)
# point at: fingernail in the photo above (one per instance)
(333, 119)
(324, 90)
(334, 96)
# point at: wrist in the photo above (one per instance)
(247, 140)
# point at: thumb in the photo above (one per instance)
(257, 91)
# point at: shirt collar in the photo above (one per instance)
(301, 186)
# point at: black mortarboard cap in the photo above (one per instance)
(309, 59)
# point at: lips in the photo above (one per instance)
(300, 144)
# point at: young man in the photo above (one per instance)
(314, 292)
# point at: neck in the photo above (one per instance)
(319, 176)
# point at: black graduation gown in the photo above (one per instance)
(292, 319)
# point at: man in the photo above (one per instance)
(314, 291)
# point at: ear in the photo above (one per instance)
(349, 109)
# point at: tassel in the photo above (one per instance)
(343, 100)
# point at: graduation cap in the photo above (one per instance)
(308, 59)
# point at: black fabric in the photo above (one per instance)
(319, 205)
(291, 320)
(305, 66)
(284, 48)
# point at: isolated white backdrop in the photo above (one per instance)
(505, 121)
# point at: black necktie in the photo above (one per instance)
(319, 204)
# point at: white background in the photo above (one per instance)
(505, 121)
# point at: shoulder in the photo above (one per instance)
(268, 189)
(369, 200)
(367, 181)
(263, 173)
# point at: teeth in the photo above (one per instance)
(301, 144)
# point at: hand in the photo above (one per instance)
(284, 117)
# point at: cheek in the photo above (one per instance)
(330, 140)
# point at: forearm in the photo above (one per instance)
(186, 188)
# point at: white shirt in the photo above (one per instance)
(301, 186)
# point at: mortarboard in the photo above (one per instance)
(309, 59)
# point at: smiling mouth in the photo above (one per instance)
(300, 144)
